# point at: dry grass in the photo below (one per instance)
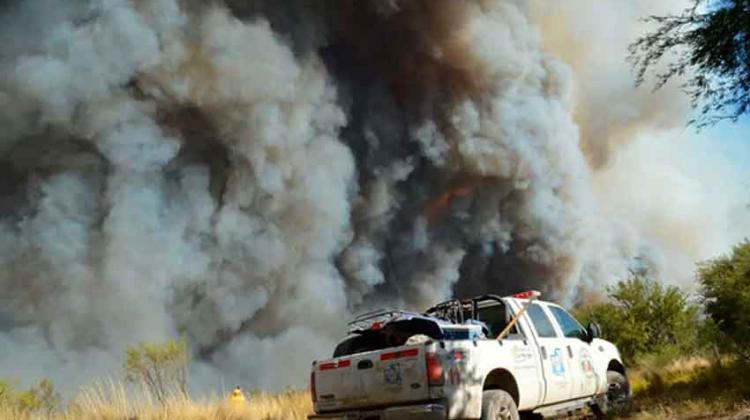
(690, 389)
(647, 377)
(112, 401)
(693, 410)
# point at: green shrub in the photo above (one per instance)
(41, 397)
(725, 283)
(161, 368)
(644, 317)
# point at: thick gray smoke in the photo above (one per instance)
(250, 173)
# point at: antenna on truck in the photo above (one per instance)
(531, 295)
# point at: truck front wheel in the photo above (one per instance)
(498, 405)
(618, 397)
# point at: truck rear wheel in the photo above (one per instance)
(618, 398)
(498, 405)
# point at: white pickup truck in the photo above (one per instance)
(488, 357)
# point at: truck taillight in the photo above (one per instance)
(435, 375)
(312, 387)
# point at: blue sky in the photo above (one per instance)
(732, 140)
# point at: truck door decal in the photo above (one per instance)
(558, 367)
(587, 365)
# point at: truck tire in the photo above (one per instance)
(618, 399)
(498, 405)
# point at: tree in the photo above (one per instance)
(44, 396)
(726, 292)
(161, 368)
(41, 397)
(707, 45)
(646, 317)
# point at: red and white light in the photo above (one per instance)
(336, 365)
(529, 294)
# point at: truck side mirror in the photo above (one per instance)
(594, 331)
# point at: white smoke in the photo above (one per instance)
(666, 195)
(593, 37)
(222, 172)
(687, 205)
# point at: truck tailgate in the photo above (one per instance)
(391, 376)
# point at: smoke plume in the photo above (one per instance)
(250, 173)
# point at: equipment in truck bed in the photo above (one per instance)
(375, 320)
(460, 311)
(455, 319)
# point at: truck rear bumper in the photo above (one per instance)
(421, 412)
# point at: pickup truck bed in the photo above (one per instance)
(373, 379)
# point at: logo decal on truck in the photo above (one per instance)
(522, 354)
(392, 374)
(558, 368)
(456, 357)
(587, 363)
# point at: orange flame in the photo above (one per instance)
(435, 207)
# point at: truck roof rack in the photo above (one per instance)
(460, 310)
(380, 317)
(456, 311)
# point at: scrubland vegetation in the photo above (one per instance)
(691, 388)
(153, 386)
(687, 355)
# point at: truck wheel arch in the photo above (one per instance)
(616, 366)
(504, 380)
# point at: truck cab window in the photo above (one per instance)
(496, 318)
(570, 327)
(541, 321)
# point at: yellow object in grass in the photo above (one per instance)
(237, 396)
